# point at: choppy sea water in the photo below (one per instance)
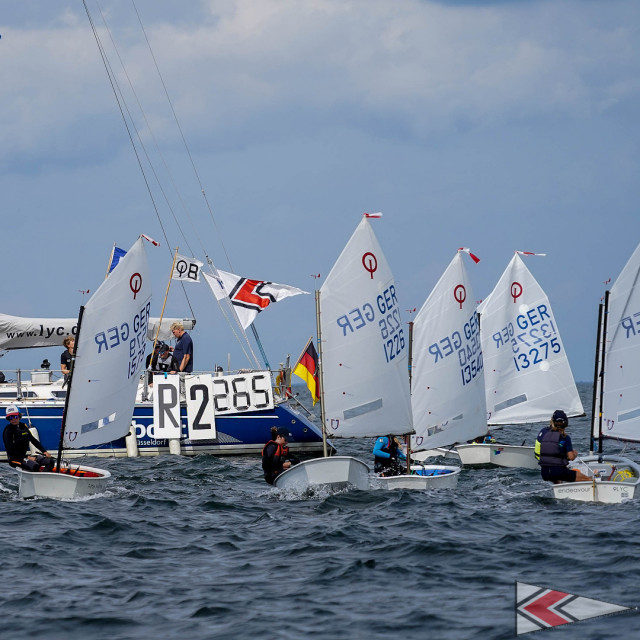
(202, 548)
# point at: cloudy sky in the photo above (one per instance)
(496, 125)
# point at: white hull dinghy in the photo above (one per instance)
(615, 396)
(502, 455)
(335, 472)
(615, 479)
(362, 347)
(526, 369)
(447, 383)
(103, 382)
(423, 477)
(70, 483)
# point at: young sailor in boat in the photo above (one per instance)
(275, 455)
(386, 452)
(162, 361)
(554, 449)
(16, 437)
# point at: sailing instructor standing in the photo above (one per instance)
(183, 351)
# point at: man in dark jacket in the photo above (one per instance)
(554, 449)
(16, 437)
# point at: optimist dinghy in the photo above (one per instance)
(364, 381)
(448, 399)
(104, 378)
(616, 395)
(526, 370)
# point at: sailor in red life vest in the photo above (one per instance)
(275, 454)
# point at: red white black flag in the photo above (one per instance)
(248, 297)
(540, 608)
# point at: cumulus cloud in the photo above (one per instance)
(282, 66)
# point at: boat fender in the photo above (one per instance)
(32, 450)
(132, 443)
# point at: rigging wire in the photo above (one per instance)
(184, 141)
(122, 105)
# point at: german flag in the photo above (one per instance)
(307, 369)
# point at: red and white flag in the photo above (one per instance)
(540, 608)
(529, 253)
(471, 255)
(248, 297)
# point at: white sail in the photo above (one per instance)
(621, 401)
(31, 333)
(526, 370)
(110, 354)
(364, 344)
(448, 398)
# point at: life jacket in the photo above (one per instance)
(548, 451)
(280, 450)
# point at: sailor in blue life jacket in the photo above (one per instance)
(386, 453)
(16, 437)
(276, 457)
(554, 449)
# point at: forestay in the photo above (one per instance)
(527, 373)
(364, 344)
(621, 398)
(448, 397)
(110, 354)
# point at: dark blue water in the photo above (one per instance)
(202, 548)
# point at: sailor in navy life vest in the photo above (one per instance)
(275, 455)
(554, 449)
(386, 453)
(16, 437)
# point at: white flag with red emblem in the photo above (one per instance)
(542, 608)
(248, 297)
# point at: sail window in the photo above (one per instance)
(363, 409)
(511, 402)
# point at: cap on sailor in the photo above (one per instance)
(560, 417)
(12, 410)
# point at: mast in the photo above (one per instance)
(407, 438)
(320, 376)
(66, 400)
(596, 375)
(605, 315)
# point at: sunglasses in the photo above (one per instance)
(13, 416)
